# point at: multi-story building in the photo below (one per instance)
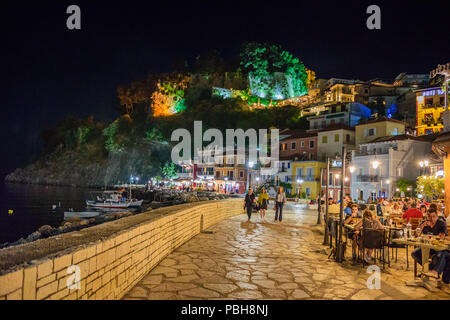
(331, 140)
(305, 177)
(371, 129)
(335, 179)
(430, 104)
(349, 114)
(379, 163)
(301, 144)
(412, 80)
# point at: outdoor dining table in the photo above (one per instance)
(425, 280)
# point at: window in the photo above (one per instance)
(299, 172)
(241, 174)
(428, 102)
(309, 172)
(293, 145)
(308, 191)
(336, 138)
(230, 174)
(371, 132)
(324, 139)
(395, 132)
(303, 144)
(347, 138)
(311, 144)
(289, 165)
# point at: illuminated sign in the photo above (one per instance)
(336, 163)
(432, 92)
(441, 69)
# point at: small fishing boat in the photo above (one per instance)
(84, 214)
(109, 204)
(111, 199)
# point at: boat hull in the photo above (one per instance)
(108, 205)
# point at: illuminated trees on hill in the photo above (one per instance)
(163, 94)
(274, 73)
(169, 95)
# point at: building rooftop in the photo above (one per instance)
(298, 135)
(400, 137)
(337, 126)
(295, 157)
(380, 119)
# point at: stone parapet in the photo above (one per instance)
(110, 258)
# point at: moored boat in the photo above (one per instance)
(84, 214)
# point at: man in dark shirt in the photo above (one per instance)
(249, 202)
(434, 226)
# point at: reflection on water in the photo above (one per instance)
(25, 208)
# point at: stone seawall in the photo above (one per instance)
(111, 257)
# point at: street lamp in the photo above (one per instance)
(375, 164)
(250, 166)
(352, 169)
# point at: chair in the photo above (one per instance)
(396, 246)
(373, 239)
(415, 222)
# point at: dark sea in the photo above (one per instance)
(31, 207)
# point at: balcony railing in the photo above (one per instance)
(304, 178)
(367, 178)
(362, 153)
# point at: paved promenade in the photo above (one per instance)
(264, 260)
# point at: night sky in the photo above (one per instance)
(49, 71)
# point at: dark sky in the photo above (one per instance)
(49, 71)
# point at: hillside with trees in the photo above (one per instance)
(83, 152)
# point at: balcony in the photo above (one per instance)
(304, 178)
(363, 153)
(367, 178)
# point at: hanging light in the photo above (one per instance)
(352, 169)
(375, 164)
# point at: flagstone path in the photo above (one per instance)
(265, 260)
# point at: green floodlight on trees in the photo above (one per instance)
(273, 72)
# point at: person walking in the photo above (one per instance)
(280, 201)
(249, 202)
(263, 201)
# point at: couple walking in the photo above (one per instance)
(260, 204)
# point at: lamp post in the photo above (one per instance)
(375, 165)
(340, 246)
(250, 166)
(388, 182)
(326, 232)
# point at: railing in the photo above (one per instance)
(304, 178)
(367, 178)
(362, 153)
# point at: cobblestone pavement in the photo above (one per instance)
(266, 260)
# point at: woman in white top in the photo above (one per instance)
(280, 201)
